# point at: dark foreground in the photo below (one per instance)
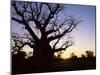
(58, 65)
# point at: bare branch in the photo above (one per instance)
(19, 42)
(52, 13)
(64, 46)
(24, 22)
(17, 20)
(70, 23)
(56, 43)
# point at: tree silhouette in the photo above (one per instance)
(45, 24)
(73, 56)
(83, 56)
(89, 54)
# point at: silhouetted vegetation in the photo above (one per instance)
(20, 64)
(73, 56)
(45, 24)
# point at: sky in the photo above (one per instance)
(84, 34)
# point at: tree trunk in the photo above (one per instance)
(43, 54)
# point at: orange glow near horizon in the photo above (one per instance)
(66, 54)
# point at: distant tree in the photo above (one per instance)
(73, 56)
(45, 24)
(90, 54)
(83, 56)
(59, 54)
(18, 42)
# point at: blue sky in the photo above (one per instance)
(84, 34)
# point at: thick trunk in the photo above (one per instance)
(43, 54)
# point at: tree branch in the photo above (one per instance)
(19, 42)
(72, 23)
(24, 22)
(60, 49)
(17, 20)
(52, 13)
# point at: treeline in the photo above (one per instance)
(88, 54)
(23, 64)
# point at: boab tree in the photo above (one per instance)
(47, 27)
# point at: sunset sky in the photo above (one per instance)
(84, 34)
